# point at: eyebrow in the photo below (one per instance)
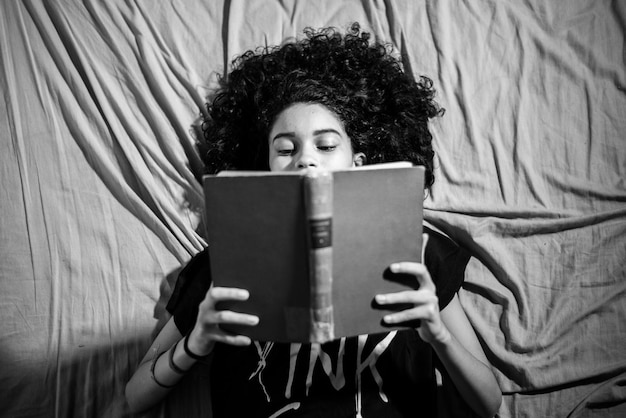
(315, 133)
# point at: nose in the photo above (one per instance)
(306, 159)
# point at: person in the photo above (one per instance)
(327, 101)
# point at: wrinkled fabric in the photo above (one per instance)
(101, 203)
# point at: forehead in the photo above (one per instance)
(306, 116)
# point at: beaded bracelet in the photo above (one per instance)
(188, 351)
(173, 365)
(154, 362)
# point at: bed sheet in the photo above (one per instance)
(101, 203)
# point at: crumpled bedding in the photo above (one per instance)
(101, 203)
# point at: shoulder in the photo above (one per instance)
(191, 286)
(446, 262)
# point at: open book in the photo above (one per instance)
(314, 247)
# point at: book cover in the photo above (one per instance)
(313, 247)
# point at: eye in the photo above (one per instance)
(327, 148)
(284, 147)
(327, 143)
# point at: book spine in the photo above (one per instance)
(318, 195)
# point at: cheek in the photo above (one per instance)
(347, 159)
(277, 164)
(338, 162)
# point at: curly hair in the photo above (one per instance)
(385, 111)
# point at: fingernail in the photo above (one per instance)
(380, 298)
(394, 267)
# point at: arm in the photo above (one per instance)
(465, 361)
(167, 359)
(451, 336)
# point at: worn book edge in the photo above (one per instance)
(318, 202)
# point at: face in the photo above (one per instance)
(309, 136)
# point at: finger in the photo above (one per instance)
(414, 297)
(422, 313)
(219, 294)
(229, 317)
(416, 269)
(424, 243)
(239, 340)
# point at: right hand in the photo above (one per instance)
(207, 329)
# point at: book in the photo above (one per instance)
(313, 248)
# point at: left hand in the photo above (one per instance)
(424, 301)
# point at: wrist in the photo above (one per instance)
(195, 348)
(442, 338)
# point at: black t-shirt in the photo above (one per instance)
(380, 375)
